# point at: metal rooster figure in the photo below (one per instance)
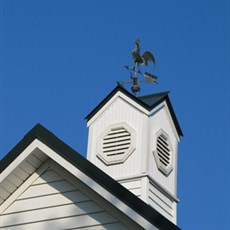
(137, 60)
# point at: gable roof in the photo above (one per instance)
(49, 139)
(148, 102)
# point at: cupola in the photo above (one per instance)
(135, 141)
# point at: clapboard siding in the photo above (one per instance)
(47, 189)
(47, 177)
(46, 201)
(161, 202)
(51, 213)
(21, 173)
(133, 186)
(51, 202)
(113, 226)
(69, 222)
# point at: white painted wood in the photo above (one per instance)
(4, 193)
(47, 201)
(8, 186)
(18, 160)
(13, 204)
(78, 214)
(97, 197)
(161, 202)
(146, 125)
(69, 222)
(16, 181)
(133, 186)
(47, 177)
(40, 155)
(10, 199)
(21, 168)
(63, 210)
(34, 161)
(113, 226)
(160, 121)
(44, 189)
(111, 101)
(23, 175)
(27, 167)
(55, 212)
(119, 112)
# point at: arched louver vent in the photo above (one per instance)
(163, 153)
(116, 144)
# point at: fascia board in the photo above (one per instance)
(112, 100)
(95, 186)
(16, 162)
(42, 139)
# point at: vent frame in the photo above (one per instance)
(163, 152)
(116, 143)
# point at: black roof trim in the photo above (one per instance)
(178, 128)
(109, 96)
(48, 138)
(156, 100)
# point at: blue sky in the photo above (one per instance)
(59, 59)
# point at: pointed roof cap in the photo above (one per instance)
(148, 102)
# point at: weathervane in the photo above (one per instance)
(137, 60)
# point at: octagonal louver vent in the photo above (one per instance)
(163, 153)
(116, 144)
(163, 150)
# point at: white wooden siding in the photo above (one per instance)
(117, 112)
(133, 186)
(21, 174)
(141, 162)
(160, 120)
(161, 203)
(51, 202)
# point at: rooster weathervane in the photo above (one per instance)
(135, 69)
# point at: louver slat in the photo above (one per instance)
(161, 154)
(115, 145)
(116, 142)
(116, 148)
(117, 138)
(163, 150)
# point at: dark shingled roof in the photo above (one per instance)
(66, 152)
(149, 102)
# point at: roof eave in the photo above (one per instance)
(140, 102)
(49, 139)
(110, 95)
